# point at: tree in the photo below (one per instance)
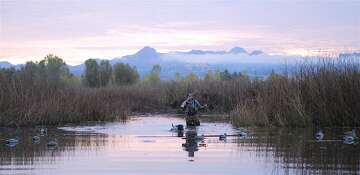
(54, 68)
(191, 77)
(105, 72)
(178, 77)
(225, 75)
(154, 76)
(209, 76)
(91, 73)
(125, 74)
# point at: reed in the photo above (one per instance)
(325, 93)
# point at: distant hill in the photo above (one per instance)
(255, 63)
(175, 62)
(5, 64)
(347, 55)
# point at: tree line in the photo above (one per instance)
(103, 73)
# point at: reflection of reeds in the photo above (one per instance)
(294, 151)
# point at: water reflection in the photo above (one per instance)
(145, 146)
(191, 144)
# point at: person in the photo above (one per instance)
(191, 106)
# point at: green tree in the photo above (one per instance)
(54, 68)
(191, 77)
(178, 77)
(225, 75)
(91, 77)
(105, 72)
(209, 76)
(154, 76)
(125, 74)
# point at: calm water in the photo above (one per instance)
(144, 145)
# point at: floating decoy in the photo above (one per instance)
(243, 133)
(222, 137)
(319, 135)
(349, 140)
(176, 128)
(36, 139)
(349, 137)
(52, 143)
(351, 133)
(12, 141)
(43, 131)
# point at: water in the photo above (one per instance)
(144, 145)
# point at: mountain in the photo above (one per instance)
(237, 50)
(183, 62)
(256, 52)
(255, 63)
(202, 52)
(5, 64)
(350, 55)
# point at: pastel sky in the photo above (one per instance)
(78, 29)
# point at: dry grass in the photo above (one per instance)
(326, 93)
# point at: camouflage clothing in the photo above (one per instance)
(191, 107)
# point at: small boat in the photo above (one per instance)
(222, 137)
(319, 135)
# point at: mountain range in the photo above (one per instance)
(255, 63)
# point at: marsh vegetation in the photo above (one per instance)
(324, 93)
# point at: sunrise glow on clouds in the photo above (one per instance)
(77, 30)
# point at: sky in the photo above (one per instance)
(77, 30)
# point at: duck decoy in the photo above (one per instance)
(349, 137)
(176, 128)
(351, 133)
(12, 141)
(319, 135)
(36, 139)
(222, 137)
(43, 131)
(52, 143)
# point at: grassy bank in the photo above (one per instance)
(326, 93)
